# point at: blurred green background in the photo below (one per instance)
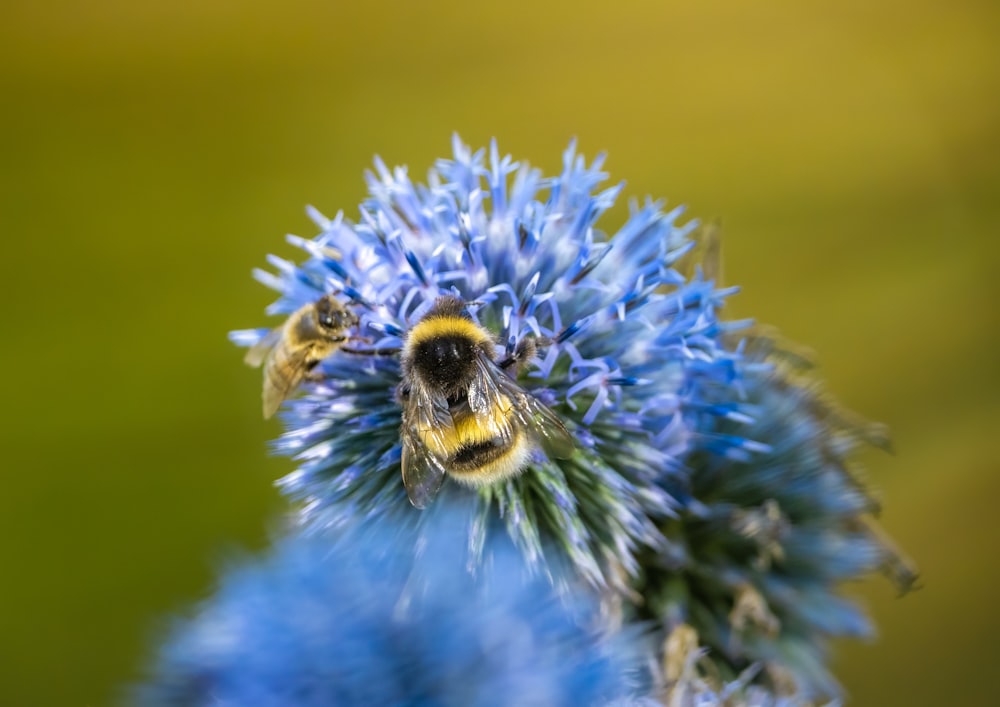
(152, 154)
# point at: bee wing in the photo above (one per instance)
(546, 426)
(423, 470)
(488, 402)
(259, 351)
(529, 411)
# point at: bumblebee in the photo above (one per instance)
(463, 413)
(290, 352)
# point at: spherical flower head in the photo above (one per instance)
(764, 541)
(381, 616)
(627, 337)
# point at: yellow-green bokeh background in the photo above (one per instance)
(153, 153)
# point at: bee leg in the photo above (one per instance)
(368, 351)
(371, 352)
(311, 375)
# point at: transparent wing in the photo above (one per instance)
(424, 417)
(284, 370)
(543, 424)
(488, 402)
(259, 351)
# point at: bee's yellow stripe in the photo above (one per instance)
(433, 327)
(468, 429)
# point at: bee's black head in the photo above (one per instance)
(443, 348)
(446, 362)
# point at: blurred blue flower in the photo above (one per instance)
(764, 541)
(385, 616)
(710, 486)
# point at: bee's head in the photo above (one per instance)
(333, 317)
(443, 348)
(445, 362)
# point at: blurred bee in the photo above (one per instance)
(290, 352)
(463, 413)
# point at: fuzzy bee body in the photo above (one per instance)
(290, 352)
(463, 415)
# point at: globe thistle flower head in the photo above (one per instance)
(378, 616)
(766, 541)
(625, 334)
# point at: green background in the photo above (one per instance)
(151, 154)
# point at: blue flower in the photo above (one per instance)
(710, 485)
(629, 338)
(764, 541)
(381, 616)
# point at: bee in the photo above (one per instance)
(291, 352)
(463, 413)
